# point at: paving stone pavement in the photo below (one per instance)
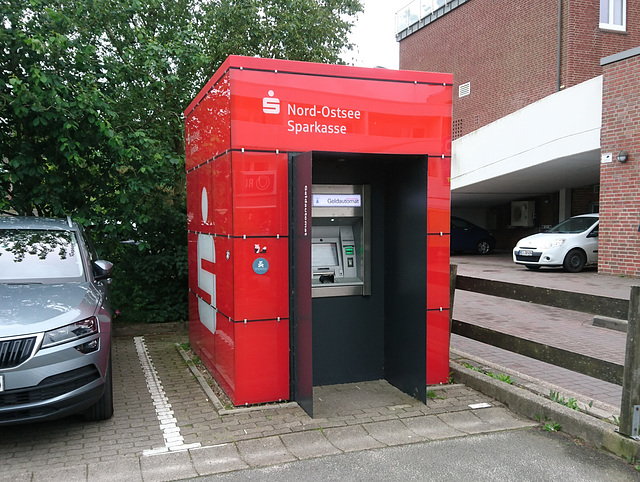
(134, 445)
(165, 428)
(570, 330)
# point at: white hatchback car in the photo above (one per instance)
(572, 244)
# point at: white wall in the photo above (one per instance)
(563, 124)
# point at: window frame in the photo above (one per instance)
(610, 25)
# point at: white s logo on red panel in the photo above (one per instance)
(206, 277)
(271, 104)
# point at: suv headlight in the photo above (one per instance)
(71, 332)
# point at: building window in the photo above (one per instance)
(613, 14)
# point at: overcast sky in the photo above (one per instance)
(374, 35)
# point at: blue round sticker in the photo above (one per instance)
(260, 266)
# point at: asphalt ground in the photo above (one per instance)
(166, 427)
(516, 455)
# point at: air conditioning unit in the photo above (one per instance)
(522, 213)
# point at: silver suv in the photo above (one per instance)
(55, 323)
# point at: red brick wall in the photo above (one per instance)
(585, 43)
(619, 244)
(507, 50)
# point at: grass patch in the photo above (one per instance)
(432, 395)
(548, 425)
(572, 403)
(498, 376)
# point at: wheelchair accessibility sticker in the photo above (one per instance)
(260, 266)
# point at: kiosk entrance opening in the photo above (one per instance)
(366, 270)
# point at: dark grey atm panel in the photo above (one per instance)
(339, 249)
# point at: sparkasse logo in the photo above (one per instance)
(271, 104)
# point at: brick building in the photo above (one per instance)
(619, 243)
(528, 102)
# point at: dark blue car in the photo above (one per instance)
(466, 236)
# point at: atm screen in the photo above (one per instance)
(324, 254)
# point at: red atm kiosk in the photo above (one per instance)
(318, 227)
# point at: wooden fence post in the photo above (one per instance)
(630, 406)
(453, 273)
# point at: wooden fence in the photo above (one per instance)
(626, 375)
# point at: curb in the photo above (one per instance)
(213, 398)
(215, 401)
(597, 432)
(610, 323)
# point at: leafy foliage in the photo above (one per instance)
(91, 101)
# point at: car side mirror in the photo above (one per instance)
(102, 269)
(593, 234)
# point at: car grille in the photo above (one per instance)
(16, 351)
(50, 387)
(533, 259)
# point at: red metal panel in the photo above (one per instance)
(222, 195)
(437, 271)
(439, 195)
(192, 250)
(204, 200)
(288, 66)
(207, 128)
(262, 361)
(193, 201)
(302, 107)
(225, 355)
(261, 279)
(225, 279)
(260, 194)
(207, 345)
(205, 268)
(277, 111)
(437, 347)
(191, 147)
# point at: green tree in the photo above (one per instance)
(91, 100)
(55, 120)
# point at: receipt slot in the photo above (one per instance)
(340, 247)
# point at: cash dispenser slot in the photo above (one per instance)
(340, 249)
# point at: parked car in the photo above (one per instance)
(466, 236)
(55, 323)
(572, 244)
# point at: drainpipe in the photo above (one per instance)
(559, 68)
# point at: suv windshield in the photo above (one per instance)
(574, 225)
(39, 256)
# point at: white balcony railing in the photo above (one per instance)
(416, 11)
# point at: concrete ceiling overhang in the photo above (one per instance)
(550, 145)
(568, 172)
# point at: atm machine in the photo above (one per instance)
(340, 244)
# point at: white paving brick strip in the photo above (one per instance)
(173, 441)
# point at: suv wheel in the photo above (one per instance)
(103, 408)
